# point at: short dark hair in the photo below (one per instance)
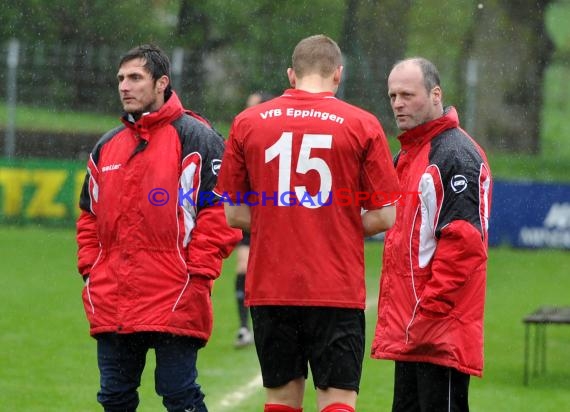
(156, 62)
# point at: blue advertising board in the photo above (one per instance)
(530, 215)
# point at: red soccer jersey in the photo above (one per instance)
(303, 162)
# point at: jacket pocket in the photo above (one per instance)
(429, 335)
(193, 309)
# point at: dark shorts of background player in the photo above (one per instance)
(329, 340)
(245, 239)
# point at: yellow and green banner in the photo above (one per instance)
(40, 190)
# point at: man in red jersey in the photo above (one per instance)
(284, 162)
(432, 293)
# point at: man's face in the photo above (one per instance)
(138, 91)
(411, 103)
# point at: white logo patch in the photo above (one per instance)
(110, 167)
(458, 183)
(216, 165)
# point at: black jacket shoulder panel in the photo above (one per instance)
(197, 137)
(459, 162)
(454, 149)
(84, 197)
(104, 139)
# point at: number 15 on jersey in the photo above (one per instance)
(283, 149)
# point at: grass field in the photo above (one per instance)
(48, 362)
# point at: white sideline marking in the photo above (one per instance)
(236, 397)
(233, 399)
(371, 302)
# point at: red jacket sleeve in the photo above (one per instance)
(461, 251)
(212, 241)
(87, 242)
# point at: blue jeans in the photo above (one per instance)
(121, 359)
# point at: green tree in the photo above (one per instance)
(374, 37)
(246, 45)
(512, 48)
(78, 34)
(98, 22)
(505, 48)
(232, 47)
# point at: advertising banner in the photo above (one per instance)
(40, 191)
(530, 215)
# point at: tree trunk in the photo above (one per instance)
(374, 38)
(511, 48)
(194, 30)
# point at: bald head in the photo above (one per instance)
(429, 71)
(415, 92)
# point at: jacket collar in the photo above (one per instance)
(423, 133)
(170, 111)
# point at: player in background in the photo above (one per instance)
(289, 158)
(244, 335)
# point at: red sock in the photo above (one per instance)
(273, 407)
(338, 407)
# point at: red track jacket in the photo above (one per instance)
(432, 290)
(148, 241)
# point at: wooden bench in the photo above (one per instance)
(543, 316)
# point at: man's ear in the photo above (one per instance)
(337, 75)
(436, 95)
(291, 76)
(162, 83)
